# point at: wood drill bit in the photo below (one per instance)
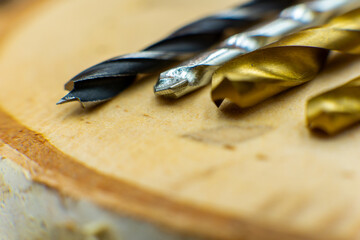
(105, 80)
(197, 72)
(336, 109)
(289, 62)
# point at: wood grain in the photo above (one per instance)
(227, 174)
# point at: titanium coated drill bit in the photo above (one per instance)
(293, 60)
(336, 109)
(197, 72)
(105, 80)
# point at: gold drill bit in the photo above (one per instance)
(336, 109)
(289, 62)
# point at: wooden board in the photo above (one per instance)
(12, 11)
(185, 165)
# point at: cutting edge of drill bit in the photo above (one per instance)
(71, 98)
(66, 99)
(178, 81)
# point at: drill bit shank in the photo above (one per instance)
(105, 80)
(197, 72)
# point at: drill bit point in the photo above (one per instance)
(182, 80)
(172, 91)
(170, 86)
(66, 99)
(166, 91)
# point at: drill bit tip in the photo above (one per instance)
(66, 99)
(170, 85)
(171, 90)
(182, 80)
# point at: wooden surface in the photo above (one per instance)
(12, 13)
(185, 165)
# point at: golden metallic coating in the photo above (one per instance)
(291, 61)
(336, 109)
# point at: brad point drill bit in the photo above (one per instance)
(197, 72)
(336, 109)
(289, 62)
(105, 80)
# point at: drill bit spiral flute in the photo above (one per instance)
(105, 80)
(197, 72)
(336, 109)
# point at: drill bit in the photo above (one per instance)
(336, 109)
(105, 80)
(197, 72)
(289, 62)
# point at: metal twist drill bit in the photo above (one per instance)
(336, 109)
(197, 72)
(105, 80)
(289, 62)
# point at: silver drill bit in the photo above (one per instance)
(105, 80)
(197, 72)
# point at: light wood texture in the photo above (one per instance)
(12, 13)
(186, 165)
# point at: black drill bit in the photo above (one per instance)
(105, 80)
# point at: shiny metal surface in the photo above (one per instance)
(335, 110)
(197, 72)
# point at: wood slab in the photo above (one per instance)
(184, 165)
